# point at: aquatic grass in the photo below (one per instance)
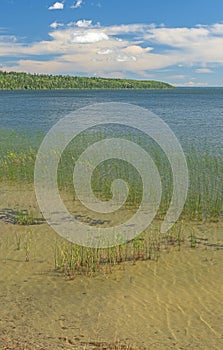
(204, 201)
(72, 259)
(27, 245)
(24, 218)
(19, 217)
(17, 166)
(23, 243)
(18, 241)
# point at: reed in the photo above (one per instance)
(19, 217)
(73, 260)
(27, 245)
(204, 201)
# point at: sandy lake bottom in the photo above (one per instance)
(173, 303)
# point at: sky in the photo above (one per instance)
(180, 42)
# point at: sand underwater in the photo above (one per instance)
(173, 303)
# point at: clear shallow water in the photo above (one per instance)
(194, 114)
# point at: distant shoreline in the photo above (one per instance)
(27, 81)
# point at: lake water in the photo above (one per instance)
(194, 114)
(167, 304)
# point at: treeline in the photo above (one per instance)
(25, 81)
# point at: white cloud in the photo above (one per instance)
(177, 76)
(137, 48)
(89, 38)
(83, 23)
(57, 6)
(104, 52)
(56, 25)
(192, 83)
(177, 37)
(8, 38)
(77, 4)
(204, 70)
(120, 58)
(216, 29)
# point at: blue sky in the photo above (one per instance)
(180, 42)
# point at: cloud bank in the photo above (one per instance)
(134, 49)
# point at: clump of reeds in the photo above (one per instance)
(24, 242)
(72, 259)
(19, 217)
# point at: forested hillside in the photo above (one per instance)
(25, 81)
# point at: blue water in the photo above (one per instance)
(194, 114)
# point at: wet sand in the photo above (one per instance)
(173, 303)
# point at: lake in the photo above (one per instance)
(194, 114)
(55, 295)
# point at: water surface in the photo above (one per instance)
(194, 114)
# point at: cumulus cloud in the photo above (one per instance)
(176, 37)
(136, 48)
(104, 52)
(56, 25)
(83, 23)
(77, 4)
(89, 38)
(121, 58)
(57, 6)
